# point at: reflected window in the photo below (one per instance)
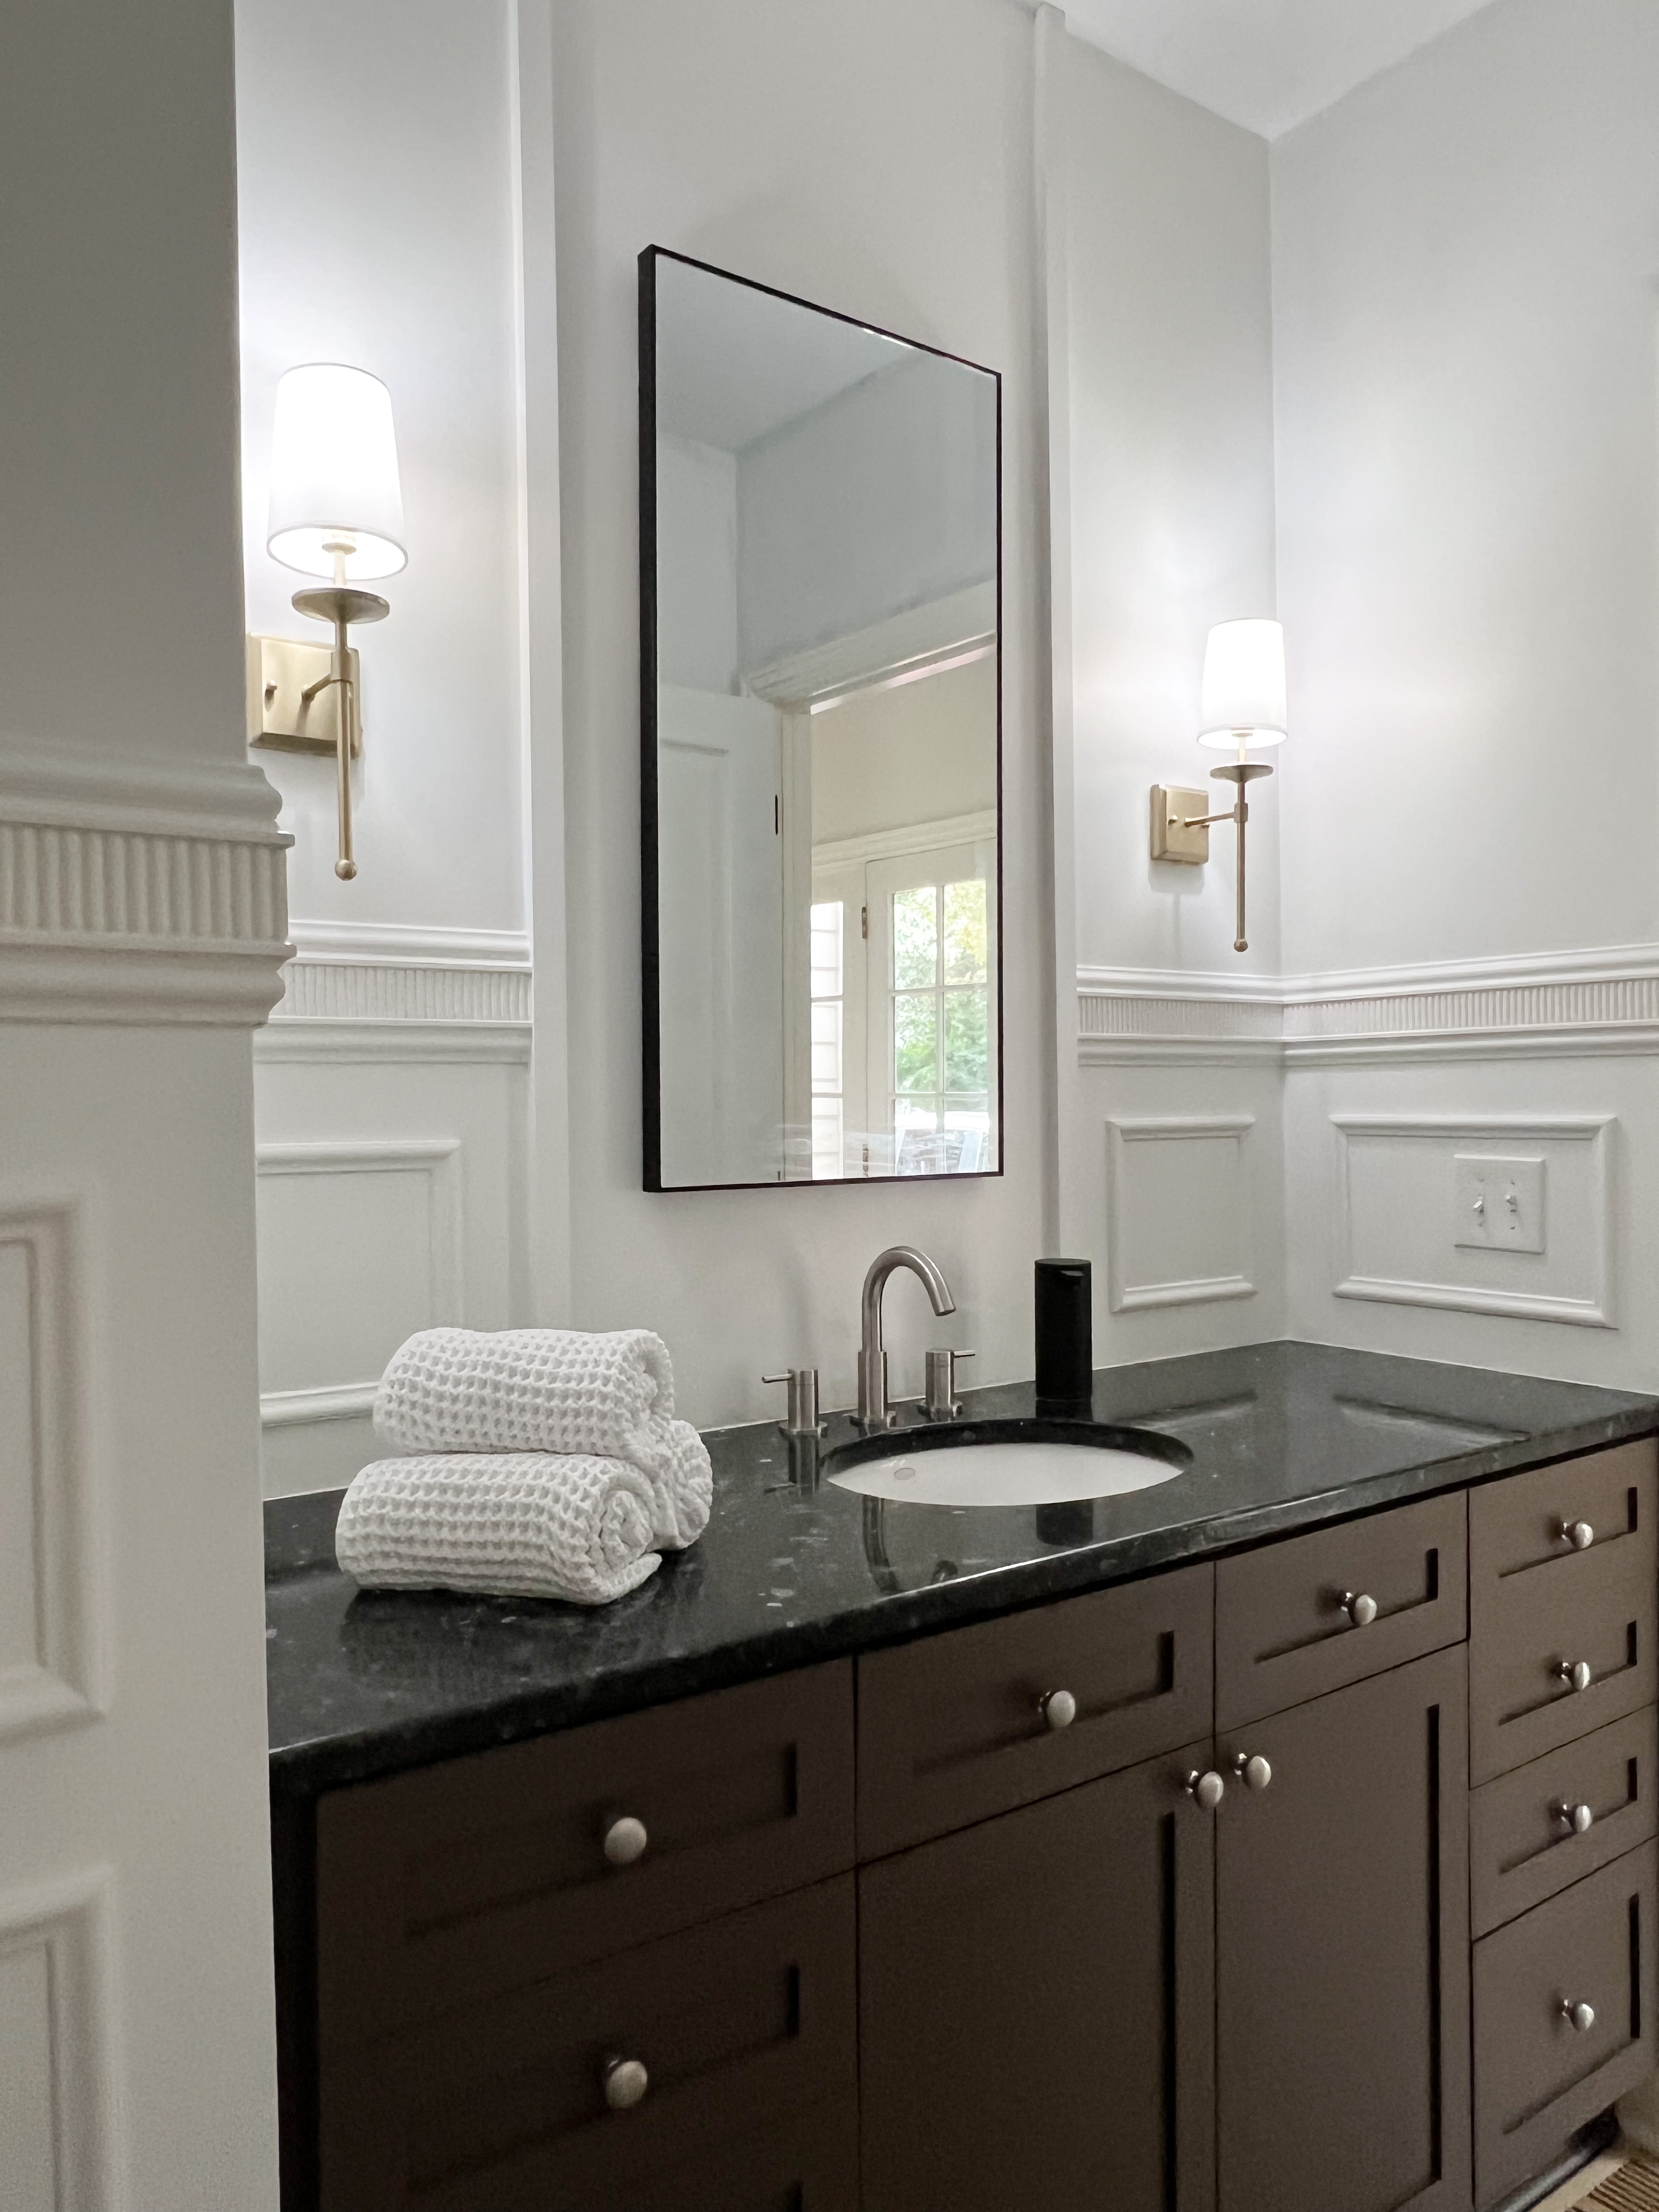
(941, 1028)
(828, 1052)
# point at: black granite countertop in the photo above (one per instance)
(792, 1570)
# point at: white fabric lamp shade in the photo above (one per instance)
(334, 474)
(1244, 685)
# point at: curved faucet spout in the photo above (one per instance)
(874, 1413)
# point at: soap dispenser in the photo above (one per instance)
(1064, 1350)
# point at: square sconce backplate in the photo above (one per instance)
(279, 670)
(1171, 839)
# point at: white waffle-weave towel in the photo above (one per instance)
(510, 1524)
(551, 1390)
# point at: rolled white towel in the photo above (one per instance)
(510, 1524)
(564, 1391)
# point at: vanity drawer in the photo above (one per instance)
(747, 2030)
(1537, 2077)
(952, 1729)
(1517, 1525)
(439, 1887)
(1523, 1848)
(1282, 1634)
(1596, 1608)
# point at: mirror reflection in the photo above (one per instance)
(819, 535)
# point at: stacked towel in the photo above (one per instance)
(540, 1463)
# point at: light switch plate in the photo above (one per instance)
(279, 669)
(1171, 839)
(1499, 1203)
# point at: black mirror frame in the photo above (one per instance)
(650, 943)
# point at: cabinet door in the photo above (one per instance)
(1342, 1952)
(1036, 2007)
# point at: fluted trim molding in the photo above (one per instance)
(1541, 1005)
(369, 973)
(138, 891)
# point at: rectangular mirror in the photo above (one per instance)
(821, 722)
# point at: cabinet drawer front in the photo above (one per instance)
(1525, 1843)
(746, 2029)
(1596, 1610)
(440, 1887)
(1518, 1524)
(1537, 2077)
(952, 1729)
(1283, 1634)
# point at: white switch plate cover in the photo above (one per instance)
(1499, 1203)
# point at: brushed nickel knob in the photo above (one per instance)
(625, 1840)
(1578, 1817)
(1360, 1609)
(1252, 1770)
(1578, 1534)
(1582, 2016)
(1576, 1674)
(1206, 1790)
(1058, 1708)
(625, 2082)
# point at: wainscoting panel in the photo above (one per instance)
(54, 2026)
(1404, 1221)
(1179, 1211)
(359, 1246)
(46, 1600)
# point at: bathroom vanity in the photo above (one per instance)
(1277, 1839)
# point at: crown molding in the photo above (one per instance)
(1597, 1001)
(138, 891)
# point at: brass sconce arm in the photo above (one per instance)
(339, 604)
(1171, 829)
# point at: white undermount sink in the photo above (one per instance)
(1001, 1472)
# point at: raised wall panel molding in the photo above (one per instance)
(379, 972)
(1177, 1209)
(48, 1601)
(1396, 1227)
(138, 892)
(55, 2022)
(303, 1267)
(1604, 1001)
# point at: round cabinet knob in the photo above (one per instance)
(1252, 1770)
(625, 1840)
(1360, 1609)
(1578, 1817)
(1582, 2016)
(1206, 1790)
(1578, 1534)
(1059, 1708)
(1576, 1674)
(625, 2082)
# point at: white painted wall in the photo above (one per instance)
(136, 2060)
(910, 752)
(1172, 1175)
(380, 154)
(696, 565)
(376, 187)
(1464, 321)
(1465, 350)
(876, 158)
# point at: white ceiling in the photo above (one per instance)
(1267, 65)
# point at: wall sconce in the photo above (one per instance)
(336, 510)
(1244, 705)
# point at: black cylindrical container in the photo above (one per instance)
(1064, 1350)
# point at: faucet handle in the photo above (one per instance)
(940, 1402)
(802, 1416)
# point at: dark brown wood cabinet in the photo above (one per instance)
(883, 1935)
(1036, 2007)
(1342, 2060)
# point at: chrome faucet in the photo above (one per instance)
(873, 1412)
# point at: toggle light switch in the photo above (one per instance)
(1498, 1204)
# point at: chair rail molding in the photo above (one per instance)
(349, 983)
(1598, 1001)
(139, 890)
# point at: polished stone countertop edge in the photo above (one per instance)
(300, 1540)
